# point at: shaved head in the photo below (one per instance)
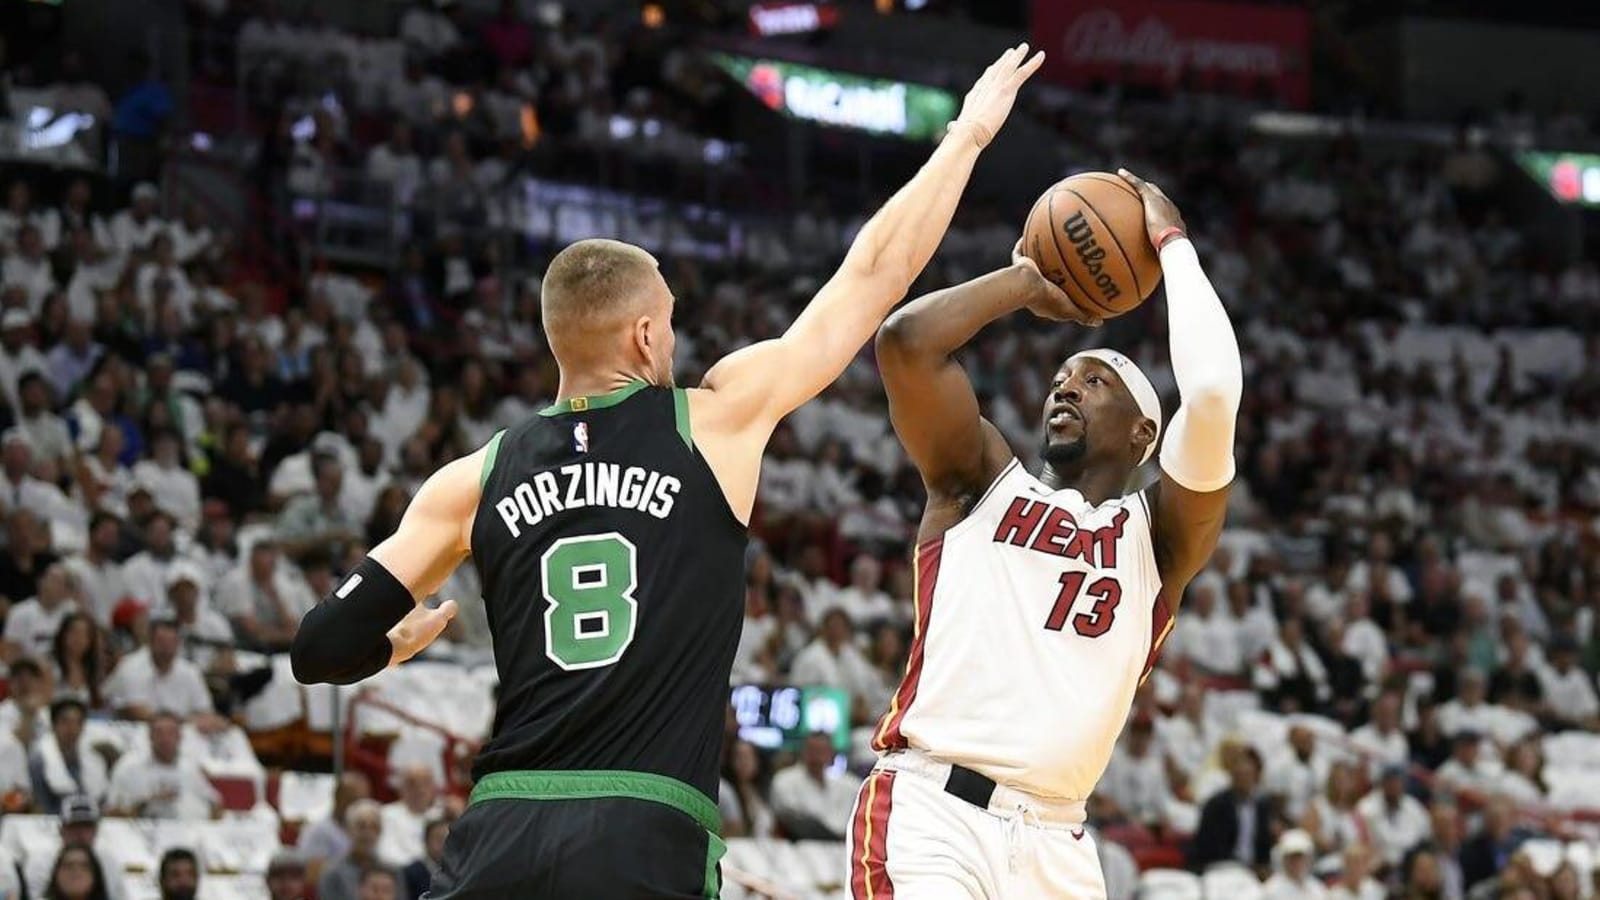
(606, 306)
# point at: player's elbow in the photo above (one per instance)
(900, 336)
(320, 653)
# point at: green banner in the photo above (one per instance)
(1569, 177)
(912, 111)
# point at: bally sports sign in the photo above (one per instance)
(1226, 47)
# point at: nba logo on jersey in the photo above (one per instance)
(580, 437)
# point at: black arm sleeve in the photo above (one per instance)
(345, 638)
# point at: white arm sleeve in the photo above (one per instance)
(1198, 450)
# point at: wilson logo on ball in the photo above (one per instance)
(1091, 253)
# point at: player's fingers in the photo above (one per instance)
(1129, 177)
(447, 610)
(1028, 68)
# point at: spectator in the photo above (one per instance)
(1331, 818)
(15, 785)
(810, 800)
(79, 825)
(25, 711)
(32, 625)
(134, 228)
(379, 884)
(155, 678)
(1568, 689)
(70, 362)
(1291, 674)
(863, 599)
(1293, 777)
(286, 876)
(46, 432)
(318, 519)
(405, 820)
(1395, 820)
(160, 784)
(62, 764)
(1446, 845)
(341, 879)
(742, 795)
(1490, 851)
(1204, 636)
(1134, 786)
(192, 239)
(1421, 877)
(833, 659)
(97, 571)
(1355, 880)
(76, 876)
(1382, 738)
(1293, 880)
(173, 487)
(1465, 770)
(78, 657)
(1522, 780)
(326, 839)
(202, 630)
(140, 119)
(421, 872)
(265, 602)
(179, 874)
(1236, 823)
(146, 572)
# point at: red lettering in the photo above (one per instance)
(1105, 539)
(1020, 521)
(1057, 525)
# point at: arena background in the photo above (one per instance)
(265, 265)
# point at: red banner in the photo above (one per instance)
(1232, 48)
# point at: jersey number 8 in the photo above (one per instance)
(588, 583)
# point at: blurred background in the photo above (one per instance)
(265, 265)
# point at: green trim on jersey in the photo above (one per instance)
(715, 848)
(492, 449)
(680, 412)
(589, 784)
(598, 401)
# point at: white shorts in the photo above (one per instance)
(909, 840)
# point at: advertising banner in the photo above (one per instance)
(1569, 177)
(1235, 48)
(912, 111)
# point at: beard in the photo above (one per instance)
(1065, 453)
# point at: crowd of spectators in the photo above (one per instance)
(1382, 682)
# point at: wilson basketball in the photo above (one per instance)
(1087, 234)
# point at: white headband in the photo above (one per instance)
(1144, 393)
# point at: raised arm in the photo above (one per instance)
(1197, 465)
(931, 401)
(376, 617)
(746, 394)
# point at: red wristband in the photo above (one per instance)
(1167, 235)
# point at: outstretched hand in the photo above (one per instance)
(1048, 300)
(418, 629)
(989, 101)
(1160, 213)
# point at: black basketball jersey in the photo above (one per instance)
(613, 571)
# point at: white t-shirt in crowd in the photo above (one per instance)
(33, 628)
(794, 792)
(401, 842)
(157, 790)
(181, 690)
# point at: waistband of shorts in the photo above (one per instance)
(1005, 801)
(582, 784)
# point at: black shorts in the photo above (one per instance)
(565, 836)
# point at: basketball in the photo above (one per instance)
(1087, 235)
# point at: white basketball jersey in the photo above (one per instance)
(1037, 618)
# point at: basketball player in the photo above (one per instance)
(1042, 598)
(610, 534)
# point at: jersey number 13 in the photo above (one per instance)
(1107, 593)
(588, 582)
